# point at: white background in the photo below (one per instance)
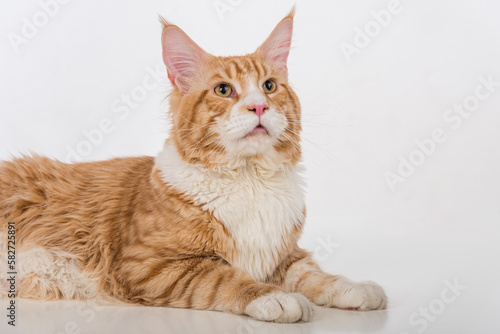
(362, 114)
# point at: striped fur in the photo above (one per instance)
(211, 223)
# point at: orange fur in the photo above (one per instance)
(142, 240)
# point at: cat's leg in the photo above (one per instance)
(206, 284)
(300, 273)
(46, 275)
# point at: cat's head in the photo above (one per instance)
(227, 109)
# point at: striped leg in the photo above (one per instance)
(304, 276)
(207, 284)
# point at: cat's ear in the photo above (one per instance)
(183, 58)
(277, 46)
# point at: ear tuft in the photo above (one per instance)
(183, 58)
(291, 13)
(277, 46)
(164, 22)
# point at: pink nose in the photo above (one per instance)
(258, 109)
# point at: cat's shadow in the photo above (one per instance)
(58, 317)
(343, 321)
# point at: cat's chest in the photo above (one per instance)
(259, 211)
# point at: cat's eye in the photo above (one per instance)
(223, 90)
(269, 86)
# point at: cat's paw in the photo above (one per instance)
(280, 307)
(346, 294)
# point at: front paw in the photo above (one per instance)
(280, 307)
(346, 294)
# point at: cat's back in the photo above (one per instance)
(33, 182)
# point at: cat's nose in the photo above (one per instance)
(258, 109)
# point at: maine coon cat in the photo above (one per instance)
(211, 223)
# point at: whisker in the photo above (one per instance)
(195, 129)
(326, 153)
(292, 141)
(319, 123)
(216, 149)
(193, 147)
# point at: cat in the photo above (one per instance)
(211, 223)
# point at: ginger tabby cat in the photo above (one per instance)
(211, 223)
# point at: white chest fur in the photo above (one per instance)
(258, 209)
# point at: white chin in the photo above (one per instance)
(253, 144)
